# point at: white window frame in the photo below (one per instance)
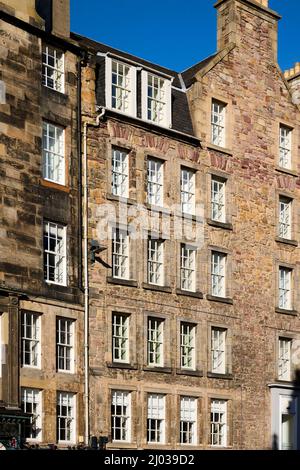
(188, 420)
(59, 254)
(188, 268)
(218, 423)
(120, 337)
(285, 147)
(155, 342)
(218, 199)
(218, 123)
(157, 108)
(66, 400)
(218, 350)
(156, 417)
(155, 181)
(31, 399)
(285, 288)
(187, 190)
(55, 72)
(285, 218)
(120, 173)
(127, 89)
(289, 408)
(31, 343)
(187, 346)
(155, 268)
(65, 344)
(218, 273)
(121, 414)
(54, 164)
(120, 254)
(284, 358)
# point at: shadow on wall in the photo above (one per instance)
(44, 9)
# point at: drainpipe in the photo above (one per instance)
(86, 274)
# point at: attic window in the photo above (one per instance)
(156, 99)
(120, 86)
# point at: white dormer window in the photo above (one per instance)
(120, 86)
(156, 99)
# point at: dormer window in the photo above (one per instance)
(156, 99)
(120, 86)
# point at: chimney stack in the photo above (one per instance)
(24, 10)
(56, 14)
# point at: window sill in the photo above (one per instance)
(121, 365)
(214, 375)
(286, 312)
(165, 289)
(51, 93)
(154, 208)
(286, 241)
(219, 149)
(286, 171)
(122, 282)
(197, 295)
(161, 370)
(189, 372)
(224, 300)
(123, 200)
(224, 225)
(52, 185)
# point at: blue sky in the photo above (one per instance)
(172, 33)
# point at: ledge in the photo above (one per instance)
(224, 300)
(189, 372)
(224, 225)
(123, 200)
(166, 289)
(58, 96)
(286, 241)
(220, 149)
(52, 185)
(213, 375)
(286, 171)
(152, 207)
(121, 365)
(294, 313)
(197, 295)
(161, 370)
(122, 282)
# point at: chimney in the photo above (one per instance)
(56, 14)
(24, 10)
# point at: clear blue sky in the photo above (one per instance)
(172, 33)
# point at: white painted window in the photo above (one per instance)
(55, 266)
(155, 182)
(66, 417)
(187, 345)
(120, 337)
(53, 153)
(284, 358)
(285, 288)
(121, 416)
(31, 339)
(188, 268)
(120, 86)
(218, 350)
(156, 418)
(155, 342)
(218, 123)
(53, 69)
(31, 400)
(218, 423)
(156, 99)
(187, 183)
(65, 344)
(188, 420)
(285, 147)
(156, 262)
(218, 187)
(285, 217)
(120, 186)
(120, 254)
(288, 423)
(218, 274)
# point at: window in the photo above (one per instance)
(66, 422)
(31, 340)
(155, 342)
(285, 297)
(218, 123)
(53, 69)
(218, 350)
(285, 217)
(284, 358)
(156, 99)
(187, 345)
(156, 418)
(188, 263)
(53, 153)
(32, 403)
(289, 417)
(120, 254)
(119, 173)
(188, 420)
(218, 267)
(187, 191)
(65, 344)
(55, 270)
(120, 86)
(120, 416)
(218, 423)
(218, 186)
(156, 262)
(120, 337)
(155, 182)
(285, 147)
